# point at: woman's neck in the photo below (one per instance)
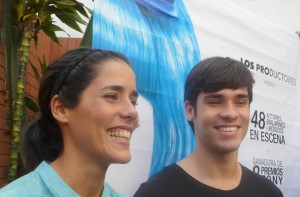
(82, 176)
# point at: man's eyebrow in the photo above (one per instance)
(217, 96)
(213, 95)
(243, 96)
(120, 89)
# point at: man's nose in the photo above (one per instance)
(229, 111)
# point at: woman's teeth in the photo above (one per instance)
(120, 134)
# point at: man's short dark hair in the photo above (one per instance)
(214, 74)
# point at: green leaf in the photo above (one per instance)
(78, 18)
(51, 27)
(36, 72)
(35, 38)
(72, 14)
(80, 8)
(31, 104)
(51, 35)
(88, 34)
(69, 21)
(66, 2)
(43, 64)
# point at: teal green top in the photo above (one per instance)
(45, 182)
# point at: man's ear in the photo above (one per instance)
(189, 111)
(58, 109)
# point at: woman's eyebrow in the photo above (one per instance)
(114, 87)
(120, 89)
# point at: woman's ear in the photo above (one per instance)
(189, 111)
(58, 109)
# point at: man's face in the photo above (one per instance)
(220, 119)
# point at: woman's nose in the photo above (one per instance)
(129, 111)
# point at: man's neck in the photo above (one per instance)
(221, 171)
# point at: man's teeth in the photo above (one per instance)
(228, 128)
(120, 134)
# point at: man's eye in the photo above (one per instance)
(242, 102)
(214, 102)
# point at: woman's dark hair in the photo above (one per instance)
(67, 77)
(214, 74)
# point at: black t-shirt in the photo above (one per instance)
(173, 181)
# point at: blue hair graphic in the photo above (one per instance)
(162, 50)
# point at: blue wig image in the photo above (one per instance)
(162, 47)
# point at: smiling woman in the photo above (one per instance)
(87, 116)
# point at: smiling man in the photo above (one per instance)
(218, 93)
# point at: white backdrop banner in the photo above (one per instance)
(163, 49)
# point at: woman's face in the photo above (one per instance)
(100, 127)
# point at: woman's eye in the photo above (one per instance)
(134, 102)
(111, 97)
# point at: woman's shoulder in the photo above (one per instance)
(27, 185)
(110, 192)
(21, 186)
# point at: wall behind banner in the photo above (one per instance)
(271, 52)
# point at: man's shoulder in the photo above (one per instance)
(260, 182)
(168, 181)
(255, 177)
(169, 173)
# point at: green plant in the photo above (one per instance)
(23, 20)
(31, 104)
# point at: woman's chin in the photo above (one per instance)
(123, 159)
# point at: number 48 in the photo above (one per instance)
(258, 119)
